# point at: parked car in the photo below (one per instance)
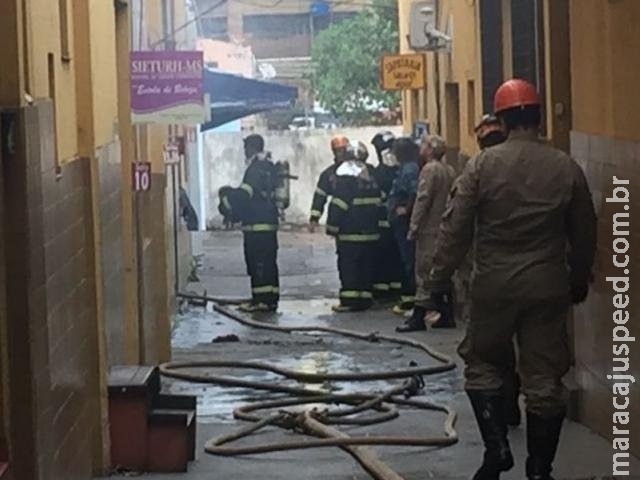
(302, 123)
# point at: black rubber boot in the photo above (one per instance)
(446, 308)
(488, 407)
(512, 413)
(416, 322)
(543, 435)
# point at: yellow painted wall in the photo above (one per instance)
(605, 42)
(409, 112)
(157, 257)
(557, 51)
(43, 38)
(103, 68)
(460, 66)
(179, 20)
(84, 87)
(624, 17)
(43, 27)
(11, 54)
(591, 98)
(153, 21)
(131, 347)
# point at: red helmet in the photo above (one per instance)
(339, 141)
(515, 93)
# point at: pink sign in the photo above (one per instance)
(166, 87)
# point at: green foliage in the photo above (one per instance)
(346, 62)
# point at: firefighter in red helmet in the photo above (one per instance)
(527, 209)
(327, 180)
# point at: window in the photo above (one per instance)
(524, 40)
(527, 39)
(214, 27)
(324, 21)
(65, 43)
(276, 26)
(491, 38)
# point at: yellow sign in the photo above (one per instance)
(402, 72)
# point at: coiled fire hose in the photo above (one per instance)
(316, 422)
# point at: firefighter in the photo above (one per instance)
(353, 218)
(389, 270)
(436, 178)
(489, 132)
(400, 202)
(362, 154)
(254, 205)
(535, 238)
(327, 180)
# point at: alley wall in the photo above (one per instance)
(76, 301)
(605, 140)
(308, 153)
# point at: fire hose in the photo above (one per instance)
(317, 422)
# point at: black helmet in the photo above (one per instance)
(255, 142)
(383, 141)
(405, 149)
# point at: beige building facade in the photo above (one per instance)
(78, 292)
(582, 55)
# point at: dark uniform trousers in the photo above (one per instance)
(261, 253)
(355, 267)
(253, 203)
(389, 271)
(540, 329)
(407, 249)
(354, 216)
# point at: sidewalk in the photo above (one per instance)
(309, 281)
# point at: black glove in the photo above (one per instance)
(579, 293)
(579, 281)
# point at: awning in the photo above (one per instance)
(233, 97)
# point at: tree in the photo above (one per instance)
(346, 62)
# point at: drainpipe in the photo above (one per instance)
(436, 61)
(168, 16)
(201, 181)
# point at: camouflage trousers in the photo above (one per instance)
(539, 328)
(425, 248)
(462, 284)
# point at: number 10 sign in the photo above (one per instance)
(141, 176)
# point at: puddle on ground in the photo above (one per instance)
(196, 327)
(199, 326)
(216, 403)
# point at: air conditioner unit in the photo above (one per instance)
(423, 32)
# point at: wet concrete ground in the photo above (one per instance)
(309, 285)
